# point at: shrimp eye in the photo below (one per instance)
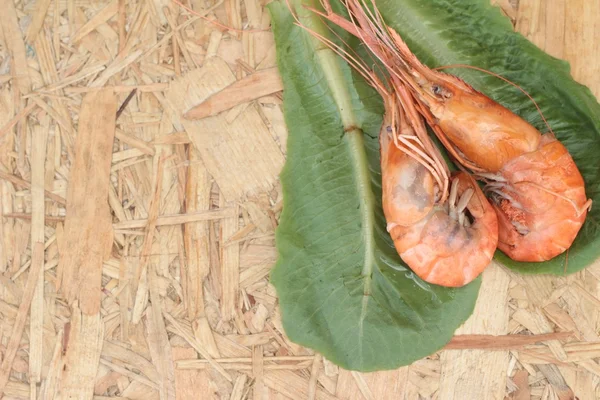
(441, 91)
(389, 129)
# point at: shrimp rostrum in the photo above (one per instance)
(531, 179)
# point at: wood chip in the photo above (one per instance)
(314, 376)
(101, 17)
(523, 392)
(238, 388)
(196, 236)
(36, 322)
(197, 346)
(159, 345)
(49, 389)
(230, 267)
(241, 164)
(19, 324)
(537, 323)
(83, 346)
(15, 45)
(486, 371)
(88, 228)
(190, 383)
(382, 385)
(292, 385)
(177, 219)
(119, 352)
(502, 342)
(38, 20)
(259, 392)
(252, 87)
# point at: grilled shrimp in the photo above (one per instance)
(445, 242)
(532, 181)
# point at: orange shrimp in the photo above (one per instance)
(446, 239)
(534, 185)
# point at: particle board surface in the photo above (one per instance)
(135, 243)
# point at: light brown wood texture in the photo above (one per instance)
(136, 244)
(254, 86)
(226, 153)
(82, 345)
(486, 369)
(88, 236)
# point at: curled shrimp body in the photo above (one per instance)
(532, 181)
(447, 239)
(443, 247)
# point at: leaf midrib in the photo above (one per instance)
(330, 63)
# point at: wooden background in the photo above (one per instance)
(172, 300)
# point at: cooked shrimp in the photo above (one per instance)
(448, 243)
(532, 181)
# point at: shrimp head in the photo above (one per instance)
(540, 201)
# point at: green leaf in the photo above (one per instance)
(343, 289)
(332, 241)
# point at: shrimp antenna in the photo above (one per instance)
(408, 105)
(505, 80)
(375, 39)
(376, 67)
(355, 62)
